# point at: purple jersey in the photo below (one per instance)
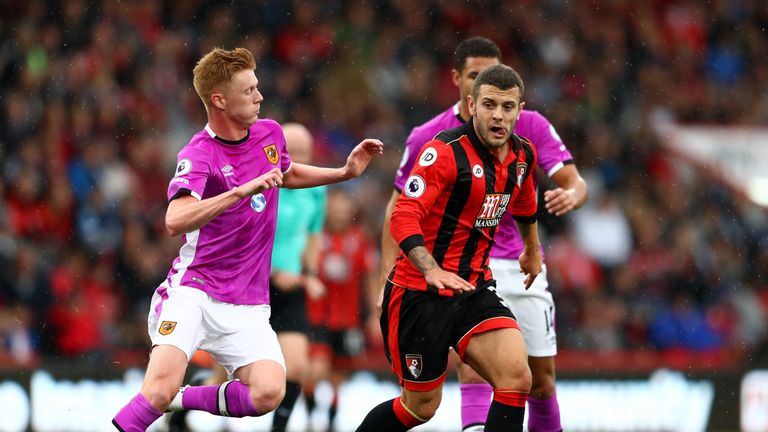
(552, 155)
(230, 257)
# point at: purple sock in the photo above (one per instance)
(231, 399)
(475, 402)
(544, 415)
(136, 416)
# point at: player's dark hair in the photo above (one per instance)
(500, 76)
(477, 46)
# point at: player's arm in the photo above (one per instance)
(303, 176)
(186, 213)
(530, 259)
(312, 284)
(426, 183)
(570, 194)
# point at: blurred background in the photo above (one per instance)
(663, 103)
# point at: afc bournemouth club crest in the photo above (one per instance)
(272, 154)
(167, 327)
(520, 171)
(415, 364)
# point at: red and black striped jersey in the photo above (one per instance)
(452, 203)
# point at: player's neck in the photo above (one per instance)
(224, 128)
(500, 153)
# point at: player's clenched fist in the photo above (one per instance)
(273, 178)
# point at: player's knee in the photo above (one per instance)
(158, 396)
(267, 397)
(542, 386)
(516, 377)
(425, 411)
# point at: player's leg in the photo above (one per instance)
(499, 356)
(475, 396)
(240, 339)
(320, 366)
(415, 326)
(543, 409)
(289, 320)
(174, 326)
(410, 409)
(295, 347)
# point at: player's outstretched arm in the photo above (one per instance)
(303, 176)
(186, 214)
(570, 194)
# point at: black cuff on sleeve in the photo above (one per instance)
(411, 242)
(525, 219)
(180, 193)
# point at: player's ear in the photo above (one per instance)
(218, 101)
(455, 77)
(471, 105)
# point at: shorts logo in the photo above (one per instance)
(492, 209)
(167, 327)
(477, 171)
(520, 169)
(184, 166)
(258, 203)
(272, 154)
(415, 364)
(428, 157)
(415, 186)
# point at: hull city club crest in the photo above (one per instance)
(272, 154)
(414, 363)
(520, 169)
(167, 327)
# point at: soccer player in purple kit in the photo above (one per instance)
(534, 308)
(223, 200)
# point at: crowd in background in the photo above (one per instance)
(96, 99)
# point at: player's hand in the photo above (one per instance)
(560, 201)
(442, 279)
(285, 281)
(272, 178)
(314, 287)
(361, 156)
(530, 265)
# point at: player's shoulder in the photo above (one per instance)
(200, 143)
(264, 126)
(525, 145)
(427, 131)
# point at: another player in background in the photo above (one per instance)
(347, 269)
(300, 218)
(223, 200)
(441, 293)
(534, 308)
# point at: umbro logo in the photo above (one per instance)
(227, 170)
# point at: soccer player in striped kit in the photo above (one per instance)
(441, 293)
(534, 308)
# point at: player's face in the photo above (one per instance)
(242, 98)
(495, 113)
(465, 78)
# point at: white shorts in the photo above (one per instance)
(534, 308)
(234, 335)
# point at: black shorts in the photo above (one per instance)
(419, 327)
(289, 310)
(340, 343)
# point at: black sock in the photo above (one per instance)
(309, 401)
(504, 418)
(283, 412)
(382, 418)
